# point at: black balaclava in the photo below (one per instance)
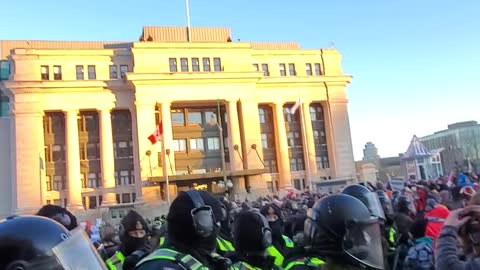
(181, 230)
(248, 240)
(133, 221)
(59, 214)
(277, 225)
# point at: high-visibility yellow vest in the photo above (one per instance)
(224, 245)
(312, 262)
(185, 260)
(116, 261)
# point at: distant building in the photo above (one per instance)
(461, 143)
(372, 164)
(421, 164)
(370, 153)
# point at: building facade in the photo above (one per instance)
(77, 116)
(421, 164)
(461, 144)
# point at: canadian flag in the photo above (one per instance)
(295, 107)
(157, 134)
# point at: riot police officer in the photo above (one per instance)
(34, 242)
(340, 231)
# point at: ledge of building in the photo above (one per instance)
(208, 175)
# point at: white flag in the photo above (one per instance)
(295, 107)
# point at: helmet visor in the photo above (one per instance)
(374, 206)
(363, 243)
(77, 253)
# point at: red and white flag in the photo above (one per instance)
(157, 134)
(295, 107)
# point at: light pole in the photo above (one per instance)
(222, 145)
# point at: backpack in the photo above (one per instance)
(420, 256)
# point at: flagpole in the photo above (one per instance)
(187, 9)
(222, 144)
(164, 157)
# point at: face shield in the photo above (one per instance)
(374, 206)
(363, 242)
(77, 253)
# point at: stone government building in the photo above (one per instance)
(75, 118)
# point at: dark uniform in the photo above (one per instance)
(34, 242)
(341, 232)
(191, 236)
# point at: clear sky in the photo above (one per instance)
(415, 63)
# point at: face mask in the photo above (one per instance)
(132, 244)
(276, 227)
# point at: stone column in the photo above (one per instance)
(23, 181)
(283, 158)
(168, 137)
(342, 140)
(234, 136)
(74, 193)
(234, 141)
(107, 158)
(309, 145)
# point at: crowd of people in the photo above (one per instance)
(425, 225)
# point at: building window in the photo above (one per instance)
(178, 117)
(79, 72)
(123, 150)
(173, 64)
(92, 202)
(213, 143)
(206, 65)
(179, 145)
(195, 65)
(265, 70)
(83, 151)
(92, 73)
(294, 139)
(194, 118)
(126, 198)
(291, 69)
(57, 182)
(196, 144)
(217, 64)
(255, 67)
(318, 71)
(122, 178)
(210, 118)
(296, 164)
(92, 180)
(283, 71)
(184, 64)
(45, 73)
(91, 123)
(57, 153)
(4, 70)
(264, 140)
(123, 71)
(322, 162)
(261, 115)
(92, 151)
(308, 69)
(57, 73)
(113, 72)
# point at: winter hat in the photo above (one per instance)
(130, 223)
(59, 214)
(180, 223)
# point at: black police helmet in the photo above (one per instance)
(367, 197)
(28, 240)
(337, 224)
